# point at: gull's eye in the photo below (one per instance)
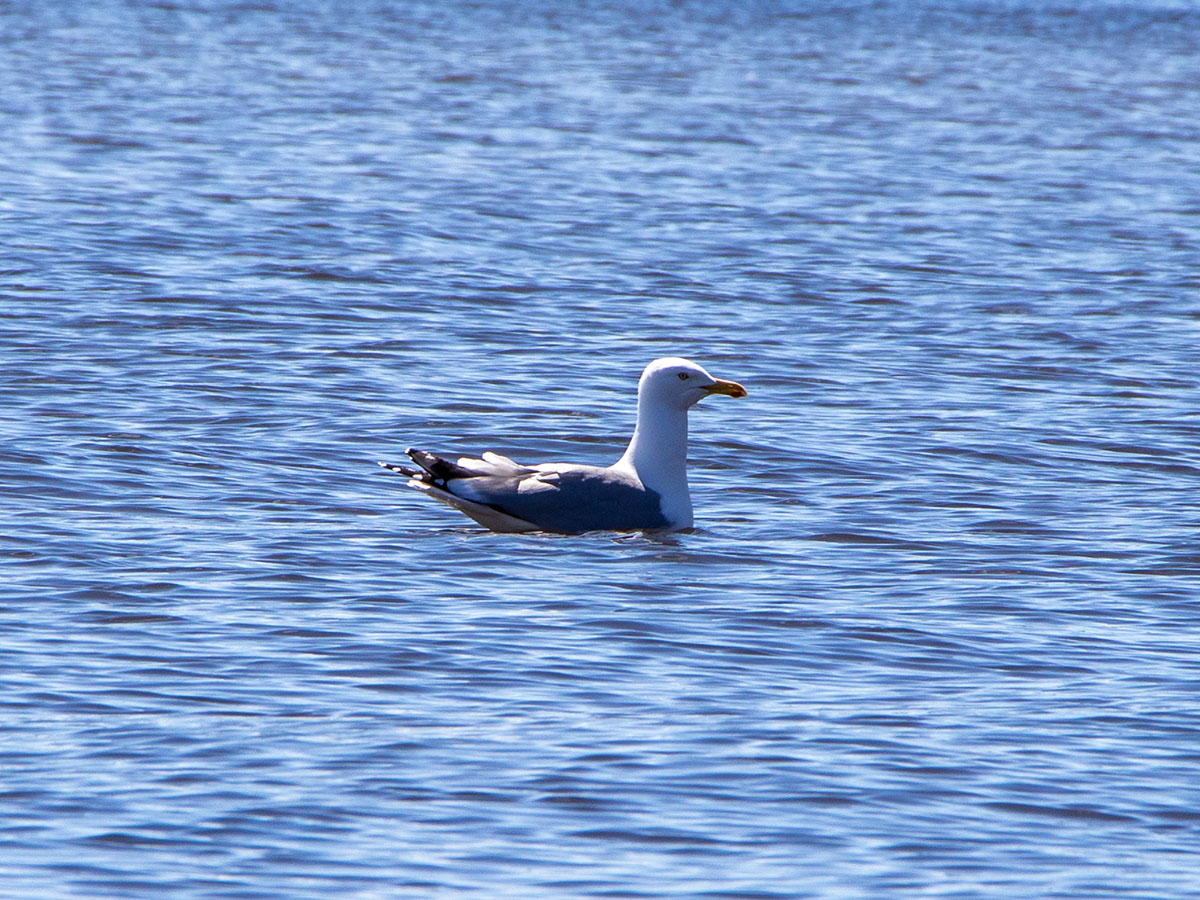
(683, 376)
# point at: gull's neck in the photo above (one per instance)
(657, 454)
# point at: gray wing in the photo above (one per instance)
(571, 501)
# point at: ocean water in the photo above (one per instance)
(937, 631)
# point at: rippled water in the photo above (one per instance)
(937, 631)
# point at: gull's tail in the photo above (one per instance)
(434, 469)
(435, 472)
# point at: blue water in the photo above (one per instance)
(937, 633)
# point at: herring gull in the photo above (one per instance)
(645, 490)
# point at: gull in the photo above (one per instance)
(645, 490)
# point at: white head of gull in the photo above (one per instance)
(645, 490)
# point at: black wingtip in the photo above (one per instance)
(441, 470)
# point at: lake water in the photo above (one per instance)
(937, 632)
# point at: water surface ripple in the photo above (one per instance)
(936, 634)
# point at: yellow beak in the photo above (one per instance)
(730, 388)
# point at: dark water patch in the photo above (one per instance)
(110, 617)
(1077, 813)
(861, 538)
